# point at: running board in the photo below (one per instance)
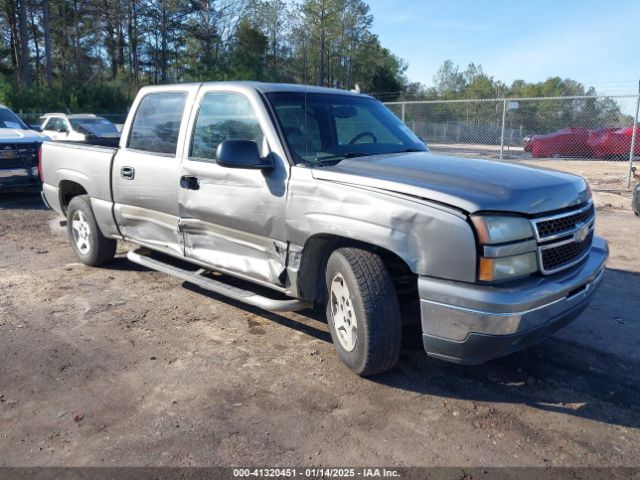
(245, 296)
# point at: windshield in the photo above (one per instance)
(96, 126)
(8, 119)
(338, 126)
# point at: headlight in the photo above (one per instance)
(494, 229)
(508, 250)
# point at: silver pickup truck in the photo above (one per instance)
(328, 199)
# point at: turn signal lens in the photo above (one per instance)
(485, 271)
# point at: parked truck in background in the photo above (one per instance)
(19, 148)
(328, 199)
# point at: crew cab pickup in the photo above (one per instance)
(327, 199)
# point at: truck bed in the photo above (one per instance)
(87, 165)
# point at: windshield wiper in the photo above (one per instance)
(335, 159)
(409, 150)
(357, 154)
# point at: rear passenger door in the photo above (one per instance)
(233, 218)
(145, 170)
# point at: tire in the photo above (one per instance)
(87, 241)
(370, 303)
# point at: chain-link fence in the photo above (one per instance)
(585, 127)
(513, 129)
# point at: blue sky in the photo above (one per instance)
(594, 42)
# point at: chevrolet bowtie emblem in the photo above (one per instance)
(581, 233)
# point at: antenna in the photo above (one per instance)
(306, 132)
(304, 113)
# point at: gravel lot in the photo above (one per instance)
(125, 366)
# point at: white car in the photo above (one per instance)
(87, 128)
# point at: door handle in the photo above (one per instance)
(190, 183)
(128, 173)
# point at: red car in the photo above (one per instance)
(611, 143)
(568, 142)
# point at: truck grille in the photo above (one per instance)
(555, 258)
(19, 155)
(549, 228)
(565, 239)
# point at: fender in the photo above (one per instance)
(432, 239)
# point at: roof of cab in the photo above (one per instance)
(262, 87)
(67, 115)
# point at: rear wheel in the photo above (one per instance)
(87, 241)
(362, 311)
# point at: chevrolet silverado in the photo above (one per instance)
(328, 199)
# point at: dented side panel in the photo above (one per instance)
(146, 201)
(433, 240)
(235, 219)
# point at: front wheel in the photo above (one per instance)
(362, 311)
(87, 241)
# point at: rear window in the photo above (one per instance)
(157, 123)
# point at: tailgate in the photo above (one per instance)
(19, 165)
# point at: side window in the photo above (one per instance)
(51, 124)
(223, 116)
(157, 123)
(58, 125)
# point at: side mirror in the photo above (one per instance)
(36, 127)
(242, 154)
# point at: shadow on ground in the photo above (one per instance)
(30, 200)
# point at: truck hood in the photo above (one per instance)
(468, 184)
(11, 135)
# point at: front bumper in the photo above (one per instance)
(471, 324)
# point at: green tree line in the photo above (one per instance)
(534, 116)
(95, 54)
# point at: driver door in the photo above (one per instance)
(233, 218)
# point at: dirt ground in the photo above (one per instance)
(126, 366)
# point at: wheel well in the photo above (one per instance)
(316, 253)
(68, 190)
